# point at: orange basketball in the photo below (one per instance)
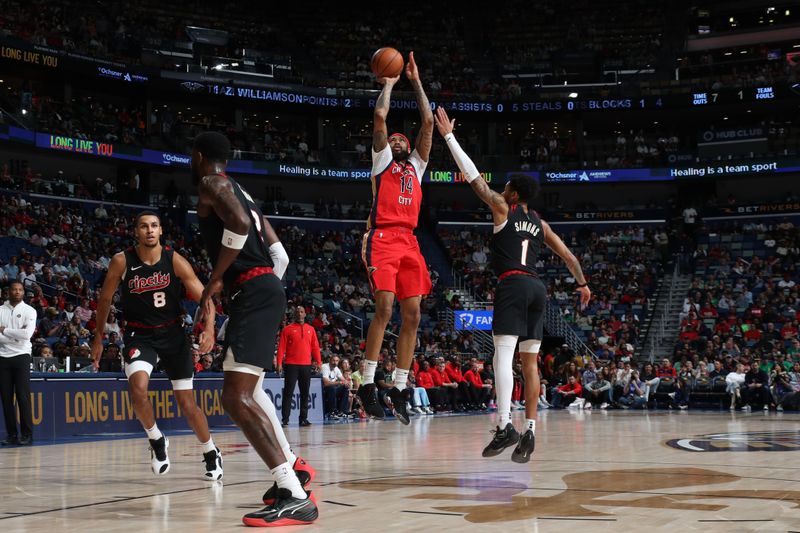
(387, 63)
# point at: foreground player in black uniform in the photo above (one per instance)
(249, 261)
(520, 298)
(151, 277)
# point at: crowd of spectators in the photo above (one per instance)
(742, 307)
(542, 39)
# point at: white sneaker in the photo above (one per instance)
(213, 461)
(159, 467)
(766, 407)
(671, 395)
(604, 405)
(780, 408)
(429, 411)
(747, 408)
(588, 407)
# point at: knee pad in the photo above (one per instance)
(530, 346)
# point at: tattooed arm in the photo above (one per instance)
(216, 192)
(379, 131)
(425, 136)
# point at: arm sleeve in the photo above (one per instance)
(26, 331)
(381, 160)
(280, 259)
(281, 348)
(463, 161)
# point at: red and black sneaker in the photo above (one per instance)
(286, 511)
(305, 473)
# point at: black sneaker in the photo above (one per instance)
(304, 423)
(285, 511)
(522, 453)
(399, 405)
(503, 438)
(213, 460)
(159, 460)
(369, 399)
(304, 476)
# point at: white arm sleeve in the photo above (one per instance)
(280, 259)
(463, 161)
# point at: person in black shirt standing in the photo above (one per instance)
(249, 261)
(151, 277)
(520, 297)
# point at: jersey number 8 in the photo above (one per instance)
(159, 299)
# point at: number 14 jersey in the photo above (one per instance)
(517, 242)
(151, 294)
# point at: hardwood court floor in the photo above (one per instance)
(592, 471)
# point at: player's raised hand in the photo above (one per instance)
(586, 295)
(443, 122)
(389, 81)
(412, 72)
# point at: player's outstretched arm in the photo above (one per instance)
(280, 259)
(554, 242)
(116, 269)
(379, 131)
(425, 136)
(495, 201)
(195, 291)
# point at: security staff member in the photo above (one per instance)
(17, 324)
(298, 344)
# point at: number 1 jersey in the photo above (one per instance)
(517, 242)
(151, 294)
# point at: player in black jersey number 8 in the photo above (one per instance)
(520, 297)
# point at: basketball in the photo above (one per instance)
(387, 62)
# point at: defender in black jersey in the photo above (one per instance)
(249, 261)
(153, 279)
(520, 297)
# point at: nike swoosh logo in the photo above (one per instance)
(235, 295)
(136, 268)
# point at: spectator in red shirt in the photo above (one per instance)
(566, 394)
(481, 390)
(468, 397)
(298, 344)
(449, 396)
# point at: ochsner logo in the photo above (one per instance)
(175, 158)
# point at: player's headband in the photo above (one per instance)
(402, 137)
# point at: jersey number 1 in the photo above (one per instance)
(524, 259)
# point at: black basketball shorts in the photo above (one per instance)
(256, 309)
(165, 348)
(519, 307)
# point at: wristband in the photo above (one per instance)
(233, 240)
(582, 285)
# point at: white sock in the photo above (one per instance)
(209, 446)
(504, 375)
(400, 379)
(531, 426)
(268, 407)
(369, 372)
(154, 433)
(287, 479)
